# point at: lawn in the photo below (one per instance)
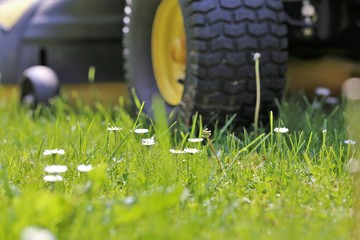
(118, 181)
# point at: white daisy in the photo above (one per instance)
(84, 168)
(332, 100)
(191, 150)
(32, 232)
(281, 130)
(148, 141)
(322, 91)
(129, 200)
(53, 152)
(114, 128)
(350, 142)
(56, 169)
(53, 178)
(177, 151)
(194, 140)
(206, 133)
(256, 56)
(141, 130)
(185, 195)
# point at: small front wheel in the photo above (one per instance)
(38, 85)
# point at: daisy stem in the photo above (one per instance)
(214, 152)
(257, 105)
(115, 137)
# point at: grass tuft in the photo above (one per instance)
(273, 185)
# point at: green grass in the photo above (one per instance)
(275, 186)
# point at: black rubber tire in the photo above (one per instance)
(222, 37)
(38, 85)
(138, 20)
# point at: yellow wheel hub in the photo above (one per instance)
(168, 50)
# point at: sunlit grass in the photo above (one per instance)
(275, 185)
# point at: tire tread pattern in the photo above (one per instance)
(220, 78)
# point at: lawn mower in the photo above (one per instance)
(197, 55)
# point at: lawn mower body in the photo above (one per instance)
(333, 27)
(68, 37)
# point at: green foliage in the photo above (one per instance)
(274, 185)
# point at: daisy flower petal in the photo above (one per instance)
(177, 151)
(350, 142)
(84, 168)
(191, 150)
(256, 56)
(148, 141)
(141, 130)
(56, 169)
(53, 152)
(129, 200)
(322, 91)
(114, 128)
(281, 130)
(53, 178)
(194, 140)
(206, 133)
(33, 232)
(332, 100)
